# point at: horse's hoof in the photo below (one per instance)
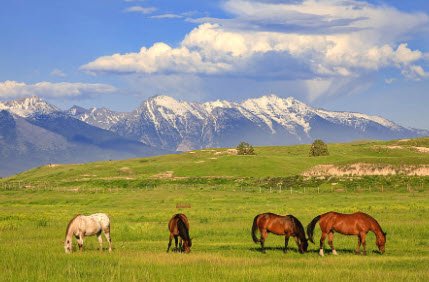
(357, 253)
(334, 252)
(321, 253)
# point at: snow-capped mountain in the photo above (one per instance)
(166, 123)
(269, 120)
(100, 117)
(34, 133)
(28, 106)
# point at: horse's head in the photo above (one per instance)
(303, 245)
(187, 244)
(68, 246)
(381, 242)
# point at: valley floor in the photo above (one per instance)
(33, 223)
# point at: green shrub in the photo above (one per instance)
(245, 149)
(318, 148)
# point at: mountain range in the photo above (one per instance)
(34, 132)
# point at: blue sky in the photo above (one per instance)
(365, 56)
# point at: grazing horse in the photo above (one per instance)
(358, 223)
(82, 225)
(179, 227)
(280, 225)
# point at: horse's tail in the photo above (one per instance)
(183, 231)
(310, 228)
(254, 228)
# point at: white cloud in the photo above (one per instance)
(158, 58)
(389, 80)
(140, 9)
(58, 73)
(13, 89)
(311, 40)
(167, 16)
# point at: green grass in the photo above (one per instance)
(268, 162)
(225, 193)
(32, 226)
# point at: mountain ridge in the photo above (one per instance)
(164, 122)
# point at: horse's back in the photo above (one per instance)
(344, 223)
(102, 218)
(172, 224)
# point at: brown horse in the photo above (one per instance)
(179, 227)
(280, 225)
(358, 223)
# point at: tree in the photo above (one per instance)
(245, 149)
(318, 148)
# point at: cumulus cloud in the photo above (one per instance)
(14, 89)
(311, 40)
(140, 9)
(58, 73)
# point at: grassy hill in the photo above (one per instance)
(281, 161)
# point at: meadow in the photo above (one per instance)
(32, 227)
(223, 203)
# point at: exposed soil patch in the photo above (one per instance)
(363, 169)
(421, 149)
(231, 152)
(164, 175)
(125, 170)
(414, 148)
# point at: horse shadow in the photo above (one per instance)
(258, 249)
(329, 251)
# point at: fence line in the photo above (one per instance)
(60, 187)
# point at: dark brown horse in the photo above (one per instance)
(179, 227)
(358, 223)
(280, 225)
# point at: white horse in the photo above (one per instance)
(82, 225)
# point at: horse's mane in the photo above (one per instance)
(70, 222)
(183, 230)
(299, 227)
(375, 222)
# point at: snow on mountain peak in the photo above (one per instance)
(174, 107)
(210, 106)
(28, 106)
(289, 112)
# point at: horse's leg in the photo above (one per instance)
(363, 236)
(181, 244)
(322, 242)
(331, 242)
(169, 242)
(107, 235)
(357, 251)
(176, 241)
(264, 235)
(286, 243)
(100, 240)
(80, 242)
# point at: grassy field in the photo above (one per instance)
(32, 226)
(225, 193)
